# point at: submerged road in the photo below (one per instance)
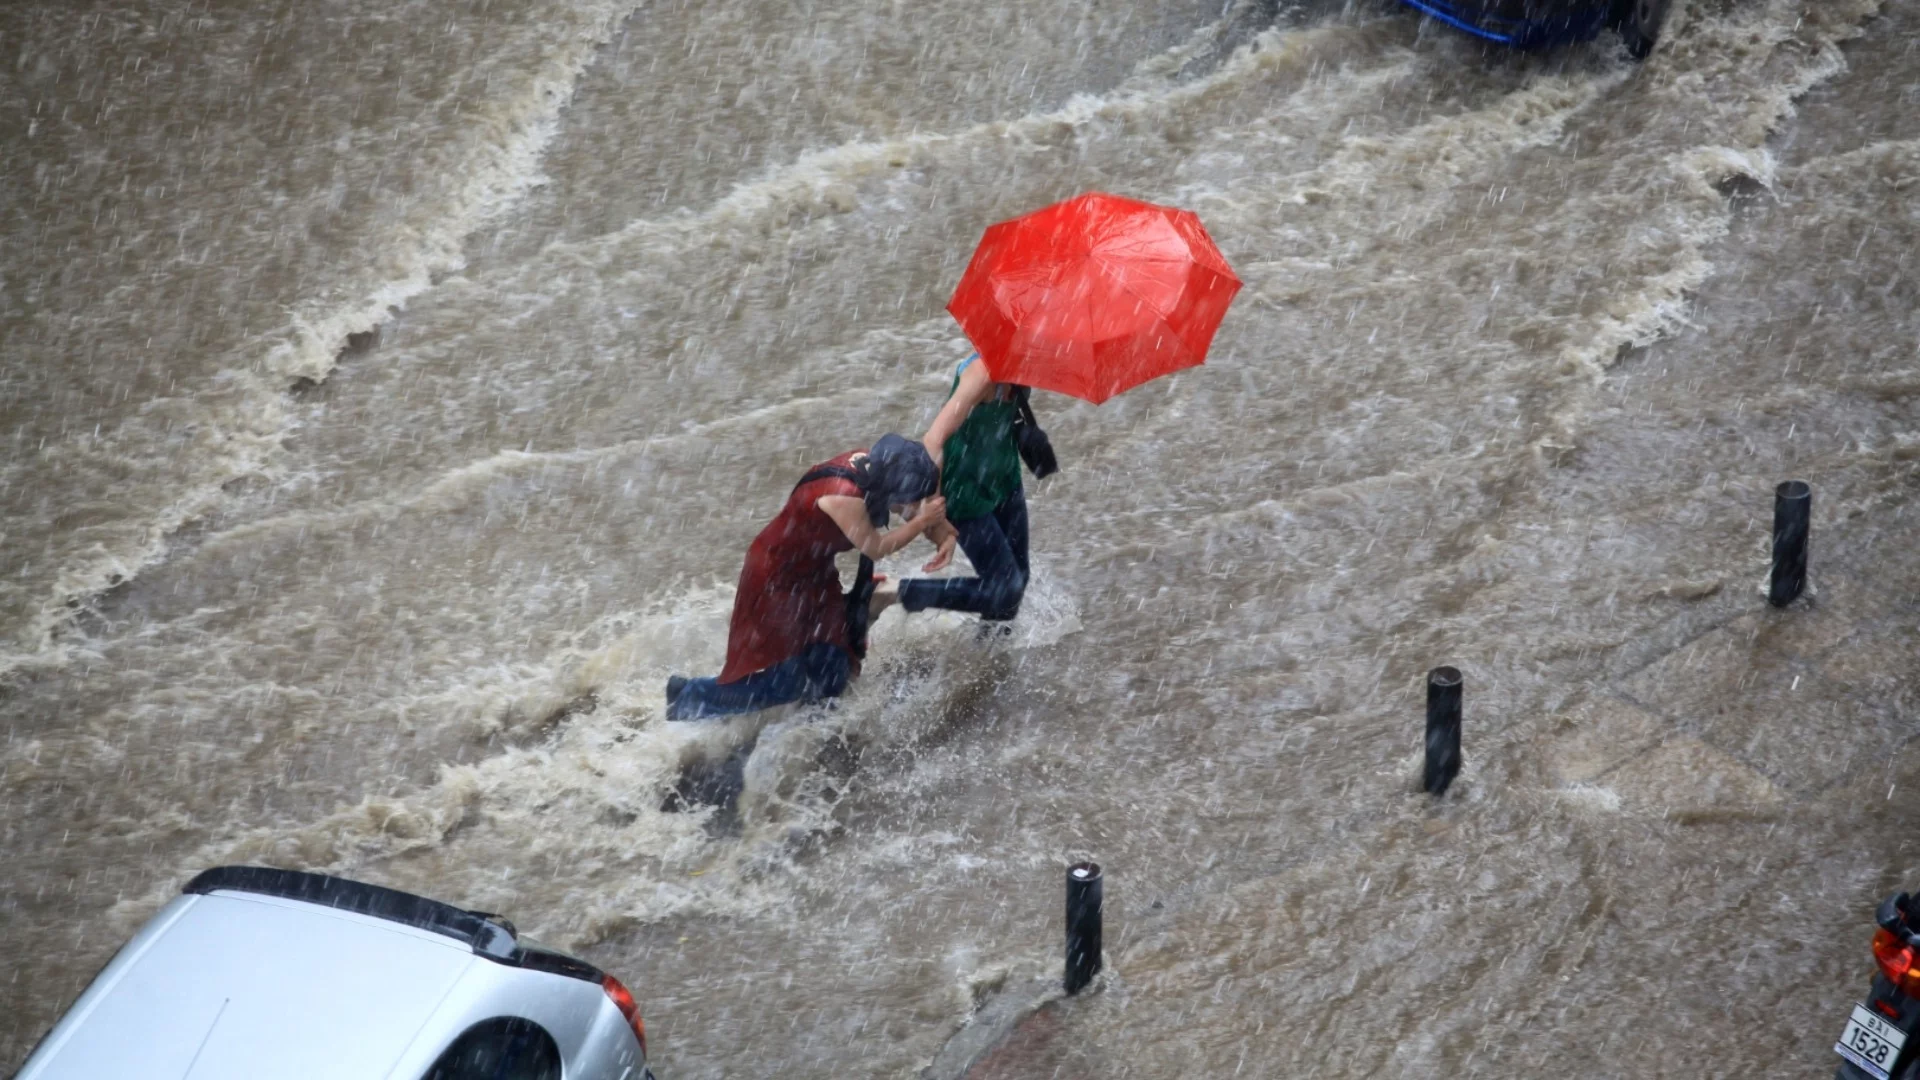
(390, 389)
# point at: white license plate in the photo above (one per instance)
(1870, 1041)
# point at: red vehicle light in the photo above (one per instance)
(1896, 961)
(623, 1000)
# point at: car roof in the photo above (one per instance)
(232, 985)
(489, 934)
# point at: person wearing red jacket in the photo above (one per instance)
(794, 635)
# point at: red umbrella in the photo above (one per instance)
(1094, 295)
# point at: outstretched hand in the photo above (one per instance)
(945, 542)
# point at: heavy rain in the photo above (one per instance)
(389, 390)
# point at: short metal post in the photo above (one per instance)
(1443, 729)
(1083, 925)
(1792, 528)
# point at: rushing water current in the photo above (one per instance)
(389, 390)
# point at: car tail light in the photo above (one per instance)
(1896, 961)
(623, 1000)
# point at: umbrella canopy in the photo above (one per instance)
(1093, 296)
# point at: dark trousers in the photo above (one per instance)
(997, 546)
(819, 671)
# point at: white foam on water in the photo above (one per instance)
(589, 793)
(243, 419)
(821, 182)
(502, 163)
(1391, 508)
(1593, 798)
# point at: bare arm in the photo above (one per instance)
(944, 537)
(975, 385)
(850, 513)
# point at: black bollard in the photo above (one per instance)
(1792, 527)
(1083, 925)
(1443, 729)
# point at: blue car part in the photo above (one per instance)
(1570, 23)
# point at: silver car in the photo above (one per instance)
(255, 974)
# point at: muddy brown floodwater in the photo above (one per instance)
(389, 390)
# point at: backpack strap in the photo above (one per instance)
(1028, 437)
(860, 608)
(1023, 401)
(826, 472)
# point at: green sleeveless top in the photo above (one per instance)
(982, 463)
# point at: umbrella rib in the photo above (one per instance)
(1127, 287)
(1094, 382)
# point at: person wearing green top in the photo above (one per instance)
(972, 440)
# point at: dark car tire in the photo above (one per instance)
(1639, 23)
